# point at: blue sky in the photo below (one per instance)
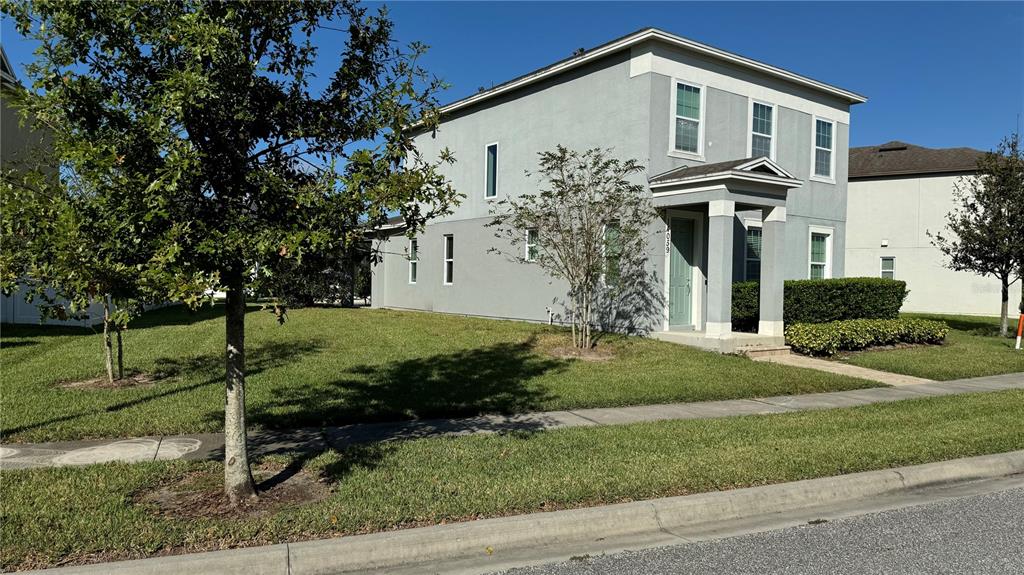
(936, 74)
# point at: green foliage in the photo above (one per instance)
(589, 221)
(850, 335)
(986, 227)
(819, 301)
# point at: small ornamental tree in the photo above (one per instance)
(254, 162)
(588, 226)
(986, 228)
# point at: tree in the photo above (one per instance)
(258, 159)
(986, 228)
(587, 226)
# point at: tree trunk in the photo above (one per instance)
(107, 344)
(120, 355)
(238, 482)
(1004, 310)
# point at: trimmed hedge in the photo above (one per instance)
(820, 301)
(854, 334)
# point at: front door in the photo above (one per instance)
(680, 275)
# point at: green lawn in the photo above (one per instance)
(87, 513)
(337, 366)
(973, 348)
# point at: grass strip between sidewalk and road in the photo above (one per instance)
(86, 514)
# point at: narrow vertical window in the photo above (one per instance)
(491, 178)
(687, 120)
(449, 259)
(753, 253)
(888, 268)
(612, 252)
(823, 148)
(414, 259)
(821, 258)
(761, 131)
(531, 245)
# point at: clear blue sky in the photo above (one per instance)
(936, 74)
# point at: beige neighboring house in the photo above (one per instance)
(898, 193)
(16, 141)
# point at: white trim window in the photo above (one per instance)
(449, 259)
(823, 160)
(414, 259)
(752, 252)
(819, 253)
(762, 126)
(688, 119)
(491, 170)
(887, 267)
(532, 235)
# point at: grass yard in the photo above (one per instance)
(973, 348)
(338, 366)
(69, 515)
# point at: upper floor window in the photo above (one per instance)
(532, 235)
(823, 147)
(888, 267)
(752, 259)
(761, 130)
(491, 176)
(414, 259)
(687, 127)
(449, 259)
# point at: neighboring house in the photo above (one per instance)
(898, 193)
(746, 163)
(17, 142)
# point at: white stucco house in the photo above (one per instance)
(897, 194)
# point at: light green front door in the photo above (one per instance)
(680, 274)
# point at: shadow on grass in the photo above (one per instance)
(491, 379)
(208, 368)
(183, 315)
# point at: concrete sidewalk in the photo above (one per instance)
(840, 368)
(210, 446)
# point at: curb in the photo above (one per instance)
(495, 537)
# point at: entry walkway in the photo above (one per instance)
(210, 446)
(885, 377)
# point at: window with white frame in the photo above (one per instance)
(491, 171)
(823, 145)
(687, 126)
(414, 259)
(752, 257)
(532, 235)
(761, 130)
(888, 267)
(820, 256)
(449, 259)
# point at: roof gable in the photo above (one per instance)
(900, 158)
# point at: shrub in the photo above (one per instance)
(820, 301)
(854, 334)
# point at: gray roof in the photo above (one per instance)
(701, 170)
(899, 158)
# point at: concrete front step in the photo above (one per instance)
(755, 351)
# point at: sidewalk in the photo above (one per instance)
(804, 361)
(210, 446)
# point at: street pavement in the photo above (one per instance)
(980, 534)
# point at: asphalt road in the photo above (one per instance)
(980, 534)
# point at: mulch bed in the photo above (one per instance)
(201, 494)
(130, 380)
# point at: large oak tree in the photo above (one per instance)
(259, 159)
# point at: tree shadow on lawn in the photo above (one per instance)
(491, 379)
(209, 368)
(979, 327)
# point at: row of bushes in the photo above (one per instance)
(854, 334)
(820, 301)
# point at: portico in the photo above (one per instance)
(699, 266)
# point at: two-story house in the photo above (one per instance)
(746, 164)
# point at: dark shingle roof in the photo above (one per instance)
(899, 158)
(702, 170)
